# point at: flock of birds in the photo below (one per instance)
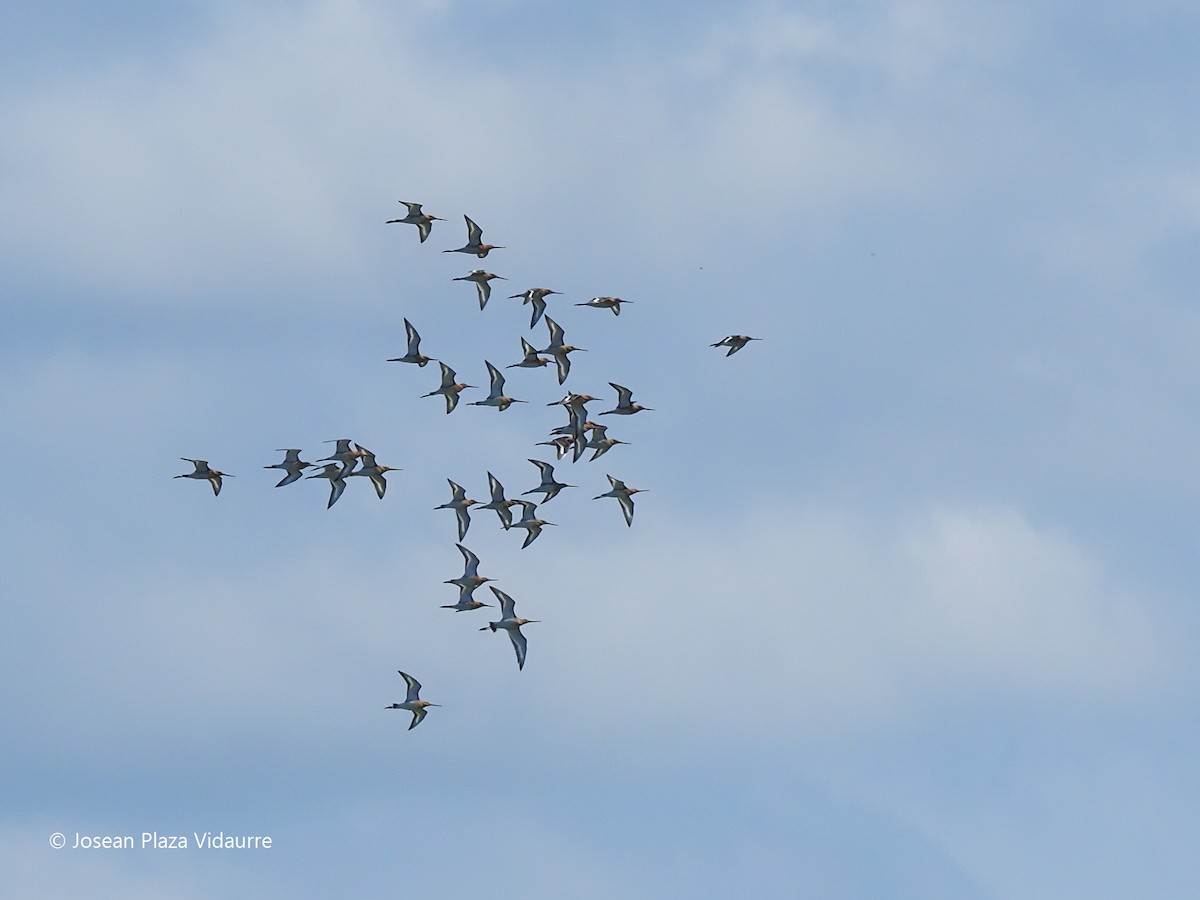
(578, 435)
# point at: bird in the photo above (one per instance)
(734, 342)
(467, 583)
(536, 296)
(369, 468)
(531, 523)
(292, 464)
(559, 350)
(600, 441)
(413, 701)
(531, 359)
(450, 388)
(575, 404)
(511, 623)
(474, 244)
(562, 445)
(481, 279)
(423, 221)
(613, 303)
(549, 486)
(414, 354)
(502, 506)
(343, 455)
(461, 506)
(496, 396)
(212, 476)
(624, 496)
(337, 481)
(625, 406)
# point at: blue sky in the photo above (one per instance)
(907, 609)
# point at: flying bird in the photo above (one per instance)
(371, 469)
(613, 303)
(467, 583)
(502, 506)
(292, 464)
(624, 496)
(203, 471)
(461, 506)
(423, 221)
(413, 701)
(549, 486)
(511, 623)
(600, 441)
(337, 481)
(481, 279)
(474, 243)
(625, 405)
(531, 359)
(536, 296)
(450, 389)
(496, 395)
(414, 354)
(345, 455)
(531, 523)
(558, 349)
(734, 342)
(562, 445)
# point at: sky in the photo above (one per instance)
(907, 609)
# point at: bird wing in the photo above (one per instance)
(449, 376)
(464, 521)
(414, 687)
(414, 339)
(556, 332)
(474, 232)
(624, 394)
(496, 488)
(539, 307)
(626, 507)
(470, 560)
(508, 606)
(418, 714)
(336, 486)
(497, 381)
(519, 644)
